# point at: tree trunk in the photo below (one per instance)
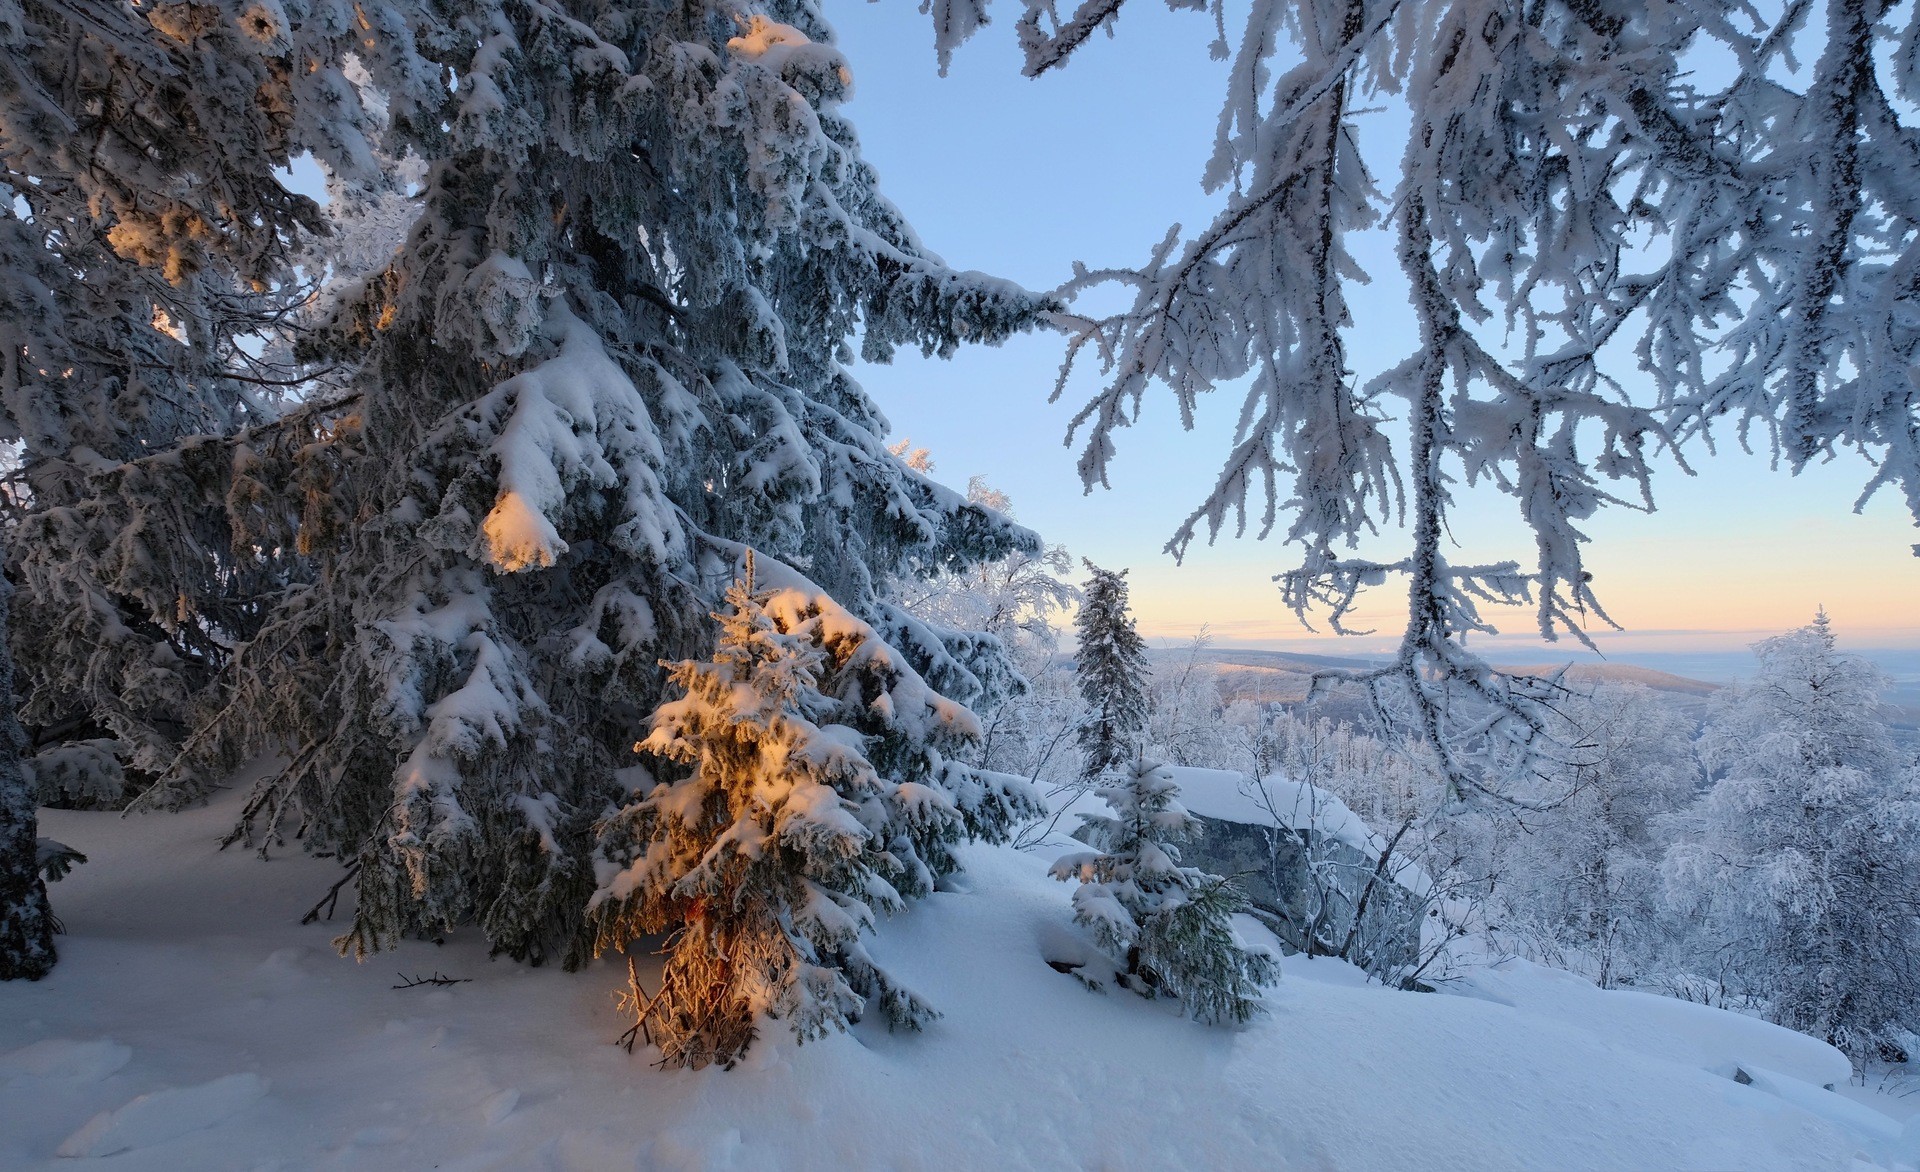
(26, 923)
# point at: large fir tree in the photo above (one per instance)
(610, 353)
(1111, 666)
(609, 357)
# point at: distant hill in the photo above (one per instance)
(1579, 674)
(1283, 676)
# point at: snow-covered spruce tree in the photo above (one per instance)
(1803, 861)
(1168, 927)
(1111, 667)
(146, 251)
(803, 789)
(1720, 195)
(608, 359)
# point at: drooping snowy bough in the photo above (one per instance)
(146, 249)
(1617, 224)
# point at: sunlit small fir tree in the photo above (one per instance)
(1168, 928)
(1112, 669)
(811, 796)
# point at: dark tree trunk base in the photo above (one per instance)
(26, 922)
(26, 928)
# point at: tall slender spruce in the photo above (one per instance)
(1111, 666)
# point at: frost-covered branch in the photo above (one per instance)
(1617, 226)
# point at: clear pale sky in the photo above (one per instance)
(1021, 178)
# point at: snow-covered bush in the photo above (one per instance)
(78, 774)
(1168, 928)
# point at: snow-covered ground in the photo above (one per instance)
(193, 1023)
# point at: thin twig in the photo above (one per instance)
(438, 978)
(332, 898)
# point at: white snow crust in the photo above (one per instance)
(239, 1041)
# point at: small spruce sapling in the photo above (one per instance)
(1168, 927)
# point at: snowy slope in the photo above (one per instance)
(194, 1024)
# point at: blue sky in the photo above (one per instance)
(1020, 178)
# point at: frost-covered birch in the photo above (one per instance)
(1616, 225)
(1581, 880)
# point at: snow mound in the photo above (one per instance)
(1714, 1040)
(1878, 1134)
(60, 1058)
(498, 1107)
(165, 1114)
